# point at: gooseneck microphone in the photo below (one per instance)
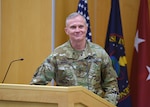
(21, 59)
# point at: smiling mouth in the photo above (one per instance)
(77, 34)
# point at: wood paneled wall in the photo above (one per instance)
(26, 31)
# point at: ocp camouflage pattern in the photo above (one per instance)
(90, 68)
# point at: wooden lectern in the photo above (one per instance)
(19, 95)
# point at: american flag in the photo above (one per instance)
(83, 10)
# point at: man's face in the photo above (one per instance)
(76, 29)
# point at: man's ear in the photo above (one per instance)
(66, 30)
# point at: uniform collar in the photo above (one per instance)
(74, 54)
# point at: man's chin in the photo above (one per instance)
(78, 39)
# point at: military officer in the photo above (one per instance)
(79, 62)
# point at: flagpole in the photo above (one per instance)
(53, 32)
(95, 21)
(53, 26)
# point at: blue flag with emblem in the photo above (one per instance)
(83, 10)
(114, 45)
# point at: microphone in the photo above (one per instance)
(21, 59)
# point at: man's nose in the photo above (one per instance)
(77, 29)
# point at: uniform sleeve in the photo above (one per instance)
(44, 73)
(110, 83)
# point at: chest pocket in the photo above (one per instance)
(78, 72)
(65, 74)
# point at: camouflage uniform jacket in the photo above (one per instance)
(90, 68)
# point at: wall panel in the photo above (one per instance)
(26, 33)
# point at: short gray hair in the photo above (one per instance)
(73, 15)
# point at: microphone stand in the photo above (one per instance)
(9, 67)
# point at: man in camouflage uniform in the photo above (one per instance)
(79, 62)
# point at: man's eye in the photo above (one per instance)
(73, 27)
(81, 26)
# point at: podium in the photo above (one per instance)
(20, 95)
